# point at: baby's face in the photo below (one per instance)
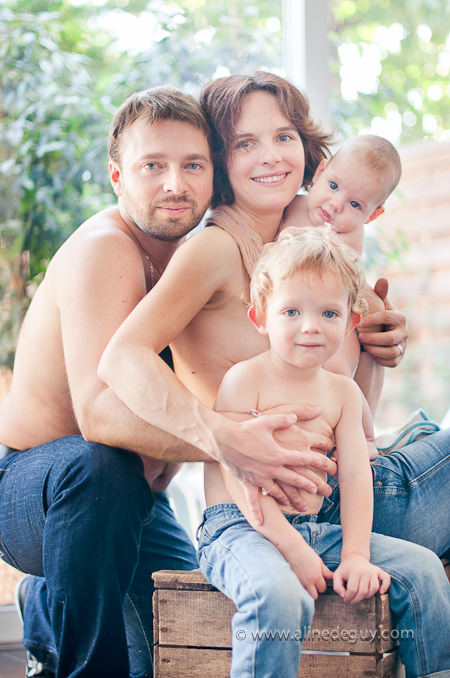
(343, 195)
(306, 319)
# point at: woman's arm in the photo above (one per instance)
(133, 369)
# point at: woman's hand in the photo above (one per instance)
(384, 334)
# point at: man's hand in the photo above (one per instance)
(356, 578)
(384, 334)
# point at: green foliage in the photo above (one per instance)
(408, 42)
(52, 143)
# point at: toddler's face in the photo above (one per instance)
(344, 194)
(307, 318)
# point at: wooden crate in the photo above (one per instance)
(192, 626)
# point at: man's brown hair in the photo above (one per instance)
(222, 101)
(157, 103)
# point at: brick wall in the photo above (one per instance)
(419, 214)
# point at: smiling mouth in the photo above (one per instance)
(272, 179)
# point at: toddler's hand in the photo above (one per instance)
(310, 570)
(356, 578)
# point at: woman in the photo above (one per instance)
(265, 146)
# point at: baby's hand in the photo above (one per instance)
(356, 578)
(310, 569)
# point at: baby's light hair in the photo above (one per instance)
(378, 154)
(310, 251)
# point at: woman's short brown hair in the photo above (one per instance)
(222, 100)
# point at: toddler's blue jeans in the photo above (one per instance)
(274, 611)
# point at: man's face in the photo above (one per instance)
(164, 177)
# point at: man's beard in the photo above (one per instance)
(168, 229)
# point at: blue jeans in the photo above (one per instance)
(82, 517)
(411, 493)
(274, 611)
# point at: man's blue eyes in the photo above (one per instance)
(155, 166)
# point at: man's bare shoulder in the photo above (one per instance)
(101, 241)
(104, 227)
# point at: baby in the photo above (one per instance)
(348, 191)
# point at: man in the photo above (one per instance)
(80, 514)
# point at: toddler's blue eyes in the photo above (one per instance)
(333, 185)
(354, 204)
(329, 314)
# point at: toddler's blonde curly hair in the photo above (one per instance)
(310, 251)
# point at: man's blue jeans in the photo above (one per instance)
(274, 611)
(82, 517)
(411, 493)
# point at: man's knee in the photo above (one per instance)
(105, 473)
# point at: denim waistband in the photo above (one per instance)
(232, 510)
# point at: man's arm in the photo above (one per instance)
(101, 279)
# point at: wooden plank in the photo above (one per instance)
(181, 579)
(193, 618)
(203, 619)
(384, 641)
(155, 607)
(201, 663)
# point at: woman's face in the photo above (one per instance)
(267, 160)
